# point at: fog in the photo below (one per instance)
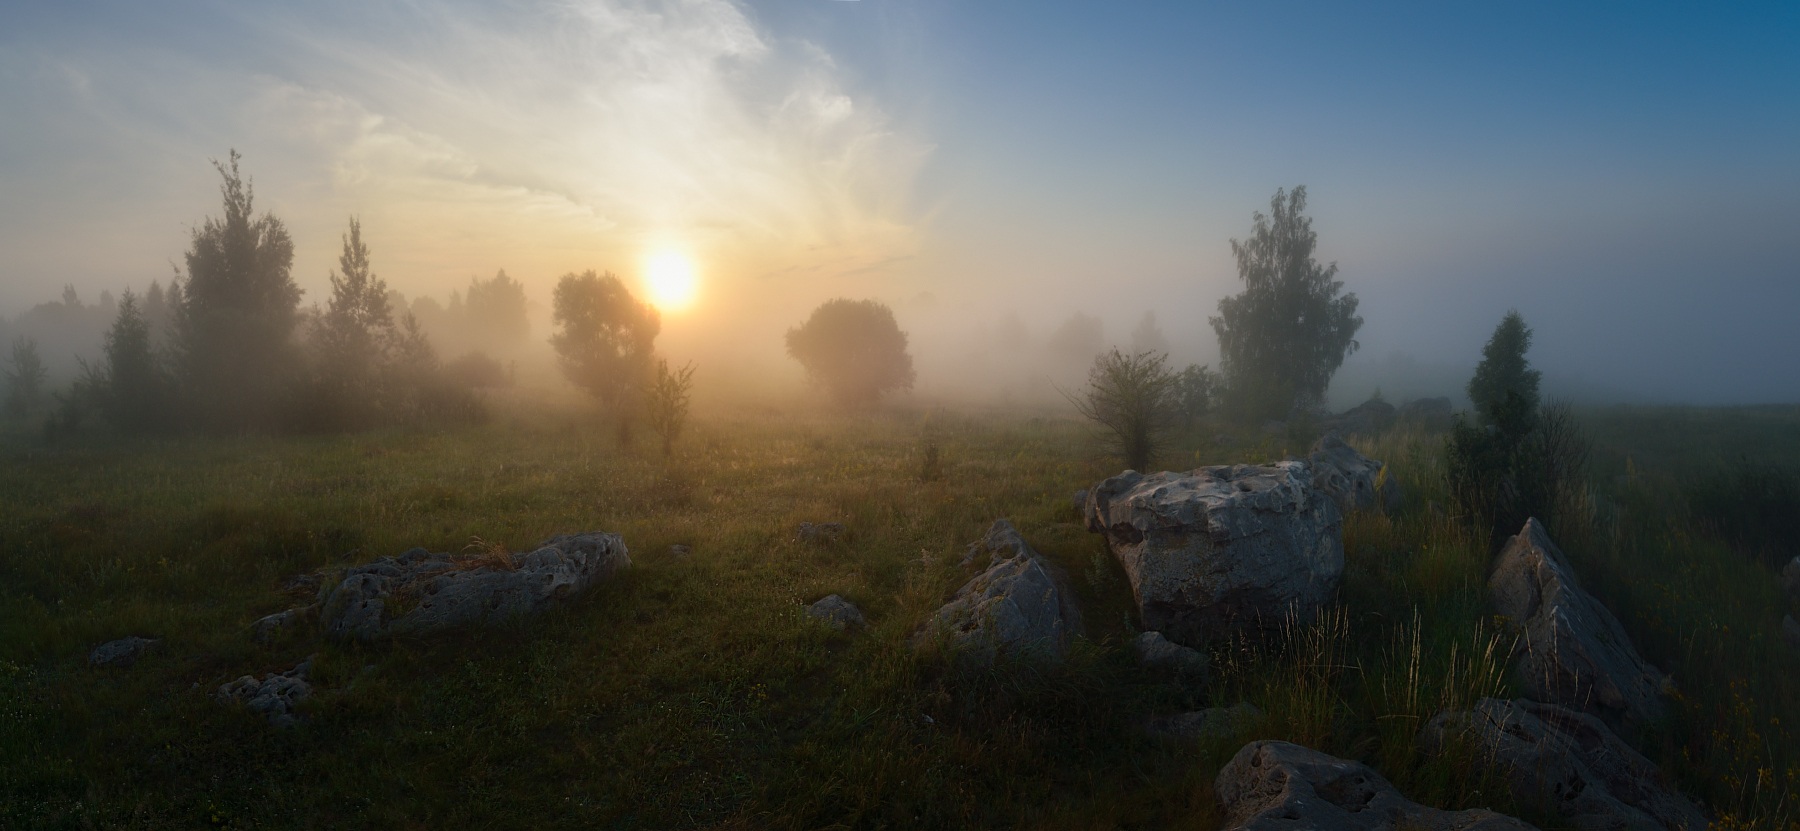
(990, 173)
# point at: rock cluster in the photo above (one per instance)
(123, 653)
(1210, 723)
(1353, 481)
(838, 613)
(1566, 762)
(1019, 606)
(268, 627)
(1277, 786)
(1572, 652)
(276, 695)
(1221, 548)
(420, 592)
(1367, 419)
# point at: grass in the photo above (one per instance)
(692, 691)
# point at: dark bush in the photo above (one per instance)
(1754, 507)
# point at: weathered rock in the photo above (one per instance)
(1352, 480)
(420, 592)
(823, 532)
(1154, 650)
(1020, 606)
(1573, 652)
(1790, 632)
(1277, 786)
(122, 653)
(1079, 500)
(1429, 413)
(267, 628)
(1210, 723)
(275, 696)
(1562, 761)
(837, 613)
(1223, 548)
(1365, 419)
(1001, 542)
(302, 584)
(1790, 580)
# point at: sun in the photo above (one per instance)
(669, 276)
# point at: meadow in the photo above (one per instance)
(691, 691)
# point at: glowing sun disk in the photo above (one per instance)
(670, 279)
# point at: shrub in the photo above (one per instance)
(854, 349)
(1133, 398)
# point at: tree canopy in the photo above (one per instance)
(1504, 372)
(854, 350)
(606, 336)
(1282, 339)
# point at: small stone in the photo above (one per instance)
(824, 532)
(122, 653)
(838, 613)
(680, 552)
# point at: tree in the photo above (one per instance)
(133, 387)
(1148, 337)
(1133, 398)
(666, 402)
(605, 341)
(495, 314)
(25, 379)
(854, 349)
(1196, 388)
(237, 316)
(1078, 339)
(1282, 339)
(353, 339)
(1505, 386)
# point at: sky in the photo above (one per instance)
(1626, 175)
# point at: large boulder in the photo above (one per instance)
(1221, 549)
(1572, 651)
(123, 653)
(420, 592)
(1561, 761)
(1020, 606)
(1429, 413)
(1277, 786)
(1367, 419)
(1352, 480)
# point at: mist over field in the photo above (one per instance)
(863, 414)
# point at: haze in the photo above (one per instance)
(1625, 177)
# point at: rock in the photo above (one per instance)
(1277, 786)
(1020, 607)
(1429, 413)
(420, 592)
(1790, 580)
(122, 653)
(1365, 419)
(824, 532)
(275, 696)
(1221, 549)
(302, 584)
(1790, 632)
(1154, 650)
(1352, 480)
(1079, 500)
(1562, 761)
(837, 613)
(1002, 542)
(680, 552)
(1210, 723)
(265, 629)
(1573, 651)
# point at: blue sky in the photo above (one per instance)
(1625, 175)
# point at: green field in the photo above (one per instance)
(692, 692)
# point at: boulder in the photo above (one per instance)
(275, 696)
(1020, 606)
(1210, 723)
(1365, 419)
(824, 532)
(1154, 650)
(1221, 549)
(1352, 480)
(1429, 413)
(1277, 786)
(1790, 632)
(122, 653)
(267, 628)
(1079, 500)
(837, 613)
(1572, 652)
(1790, 580)
(420, 592)
(1568, 763)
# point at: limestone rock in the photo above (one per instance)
(420, 592)
(275, 696)
(1572, 652)
(1277, 786)
(837, 613)
(1350, 478)
(1221, 548)
(1154, 650)
(1569, 763)
(266, 628)
(1020, 606)
(1365, 419)
(1210, 723)
(1079, 500)
(1001, 542)
(122, 653)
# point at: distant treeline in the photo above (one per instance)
(228, 347)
